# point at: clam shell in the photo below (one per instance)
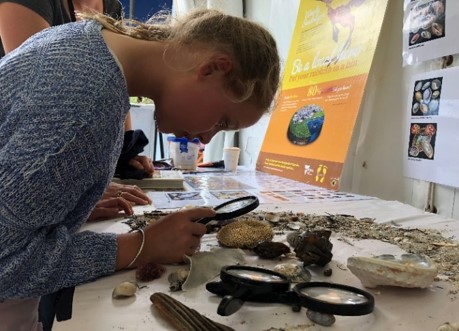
(433, 106)
(418, 96)
(415, 108)
(418, 86)
(435, 94)
(427, 95)
(426, 34)
(424, 108)
(426, 85)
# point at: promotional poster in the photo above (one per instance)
(331, 52)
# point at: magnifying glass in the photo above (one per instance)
(243, 283)
(232, 208)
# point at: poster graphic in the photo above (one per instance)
(432, 142)
(331, 52)
(429, 29)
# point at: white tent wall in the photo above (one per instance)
(374, 163)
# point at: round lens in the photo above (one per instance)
(255, 275)
(334, 295)
(233, 206)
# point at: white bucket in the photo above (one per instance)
(184, 153)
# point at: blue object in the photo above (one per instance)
(183, 142)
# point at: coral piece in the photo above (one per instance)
(312, 247)
(245, 234)
(149, 272)
(271, 249)
(124, 290)
(410, 270)
(183, 318)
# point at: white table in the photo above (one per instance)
(395, 308)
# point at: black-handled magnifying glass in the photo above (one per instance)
(243, 283)
(232, 208)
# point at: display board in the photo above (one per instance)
(431, 132)
(429, 29)
(331, 52)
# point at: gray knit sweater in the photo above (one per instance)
(63, 100)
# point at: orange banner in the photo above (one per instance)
(309, 133)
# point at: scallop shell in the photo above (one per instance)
(124, 290)
(436, 84)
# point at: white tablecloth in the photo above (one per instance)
(395, 308)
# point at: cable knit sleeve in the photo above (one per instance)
(62, 110)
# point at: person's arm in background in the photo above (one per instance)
(13, 29)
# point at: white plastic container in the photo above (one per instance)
(183, 152)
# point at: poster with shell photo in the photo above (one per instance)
(429, 29)
(432, 142)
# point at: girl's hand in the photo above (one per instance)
(132, 193)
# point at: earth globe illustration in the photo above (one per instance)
(305, 125)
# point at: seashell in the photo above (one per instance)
(321, 318)
(433, 106)
(436, 84)
(449, 327)
(181, 317)
(426, 95)
(244, 234)
(426, 85)
(271, 249)
(418, 86)
(435, 94)
(427, 148)
(414, 151)
(177, 278)
(424, 108)
(414, 38)
(295, 225)
(426, 34)
(124, 290)
(295, 272)
(437, 29)
(418, 96)
(415, 108)
(411, 270)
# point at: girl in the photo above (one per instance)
(206, 72)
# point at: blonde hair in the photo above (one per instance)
(255, 74)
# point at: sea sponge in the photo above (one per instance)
(245, 234)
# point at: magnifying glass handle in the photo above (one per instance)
(229, 305)
(204, 220)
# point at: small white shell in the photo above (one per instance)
(124, 290)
